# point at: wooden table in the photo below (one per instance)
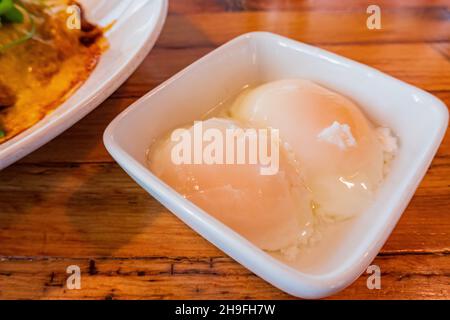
(69, 203)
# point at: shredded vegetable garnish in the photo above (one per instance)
(15, 13)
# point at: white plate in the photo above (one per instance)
(418, 118)
(138, 24)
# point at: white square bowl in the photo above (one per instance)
(418, 119)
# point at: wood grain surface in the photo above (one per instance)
(69, 203)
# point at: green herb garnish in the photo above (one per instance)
(12, 12)
(5, 6)
(9, 12)
(2, 134)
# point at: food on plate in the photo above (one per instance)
(47, 50)
(331, 160)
